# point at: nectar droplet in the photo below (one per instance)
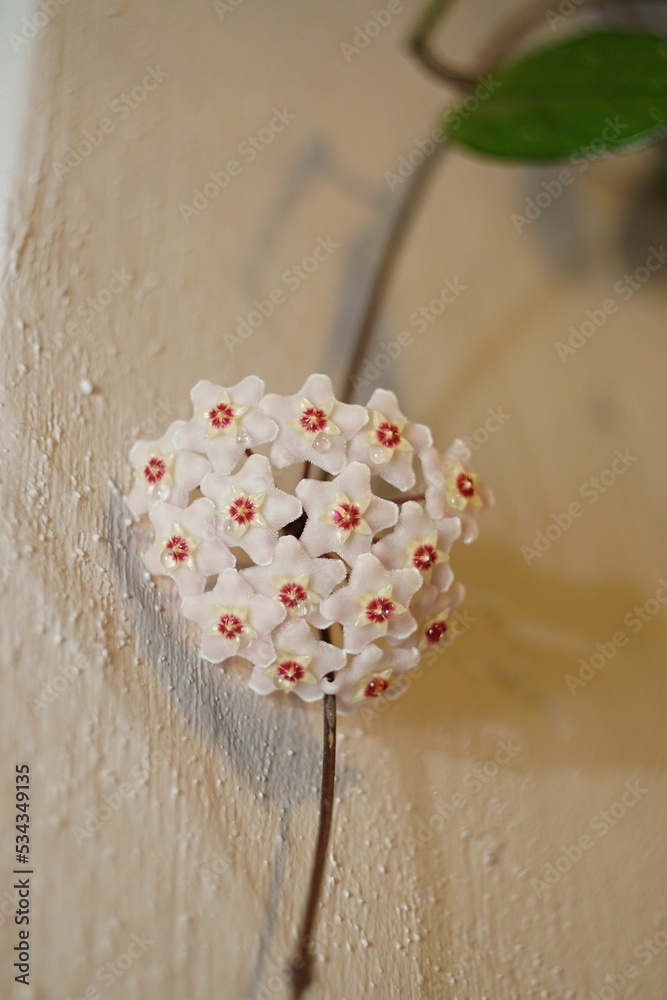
(162, 491)
(321, 442)
(167, 559)
(378, 455)
(229, 527)
(242, 437)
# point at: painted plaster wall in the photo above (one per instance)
(221, 780)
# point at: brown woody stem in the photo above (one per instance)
(385, 268)
(301, 963)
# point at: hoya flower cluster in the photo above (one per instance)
(337, 587)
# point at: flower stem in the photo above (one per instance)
(419, 43)
(301, 963)
(418, 497)
(385, 269)
(498, 46)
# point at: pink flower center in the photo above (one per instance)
(346, 516)
(313, 419)
(229, 626)
(375, 687)
(178, 548)
(154, 470)
(242, 510)
(290, 671)
(435, 632)
(292, 595)
(424, 556)
(388, 434)
(380, 609)
(465, 485)
(220, 416)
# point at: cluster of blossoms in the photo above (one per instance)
(335, 589)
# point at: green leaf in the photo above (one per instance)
(599, 91)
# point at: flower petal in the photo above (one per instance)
(322, 535)
(314, 426)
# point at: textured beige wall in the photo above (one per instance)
(218, 777)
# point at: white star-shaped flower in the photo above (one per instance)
(162, 472)
(314, 426)
(373, 604)
(390, 443)
(452, 489)
(301, 664)
(226, 422)
(419, 542)
(250, 508)
(186, 546)
(296, 580)
(235, 620)
(433, 609)
(374, 673)
(343, 514)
